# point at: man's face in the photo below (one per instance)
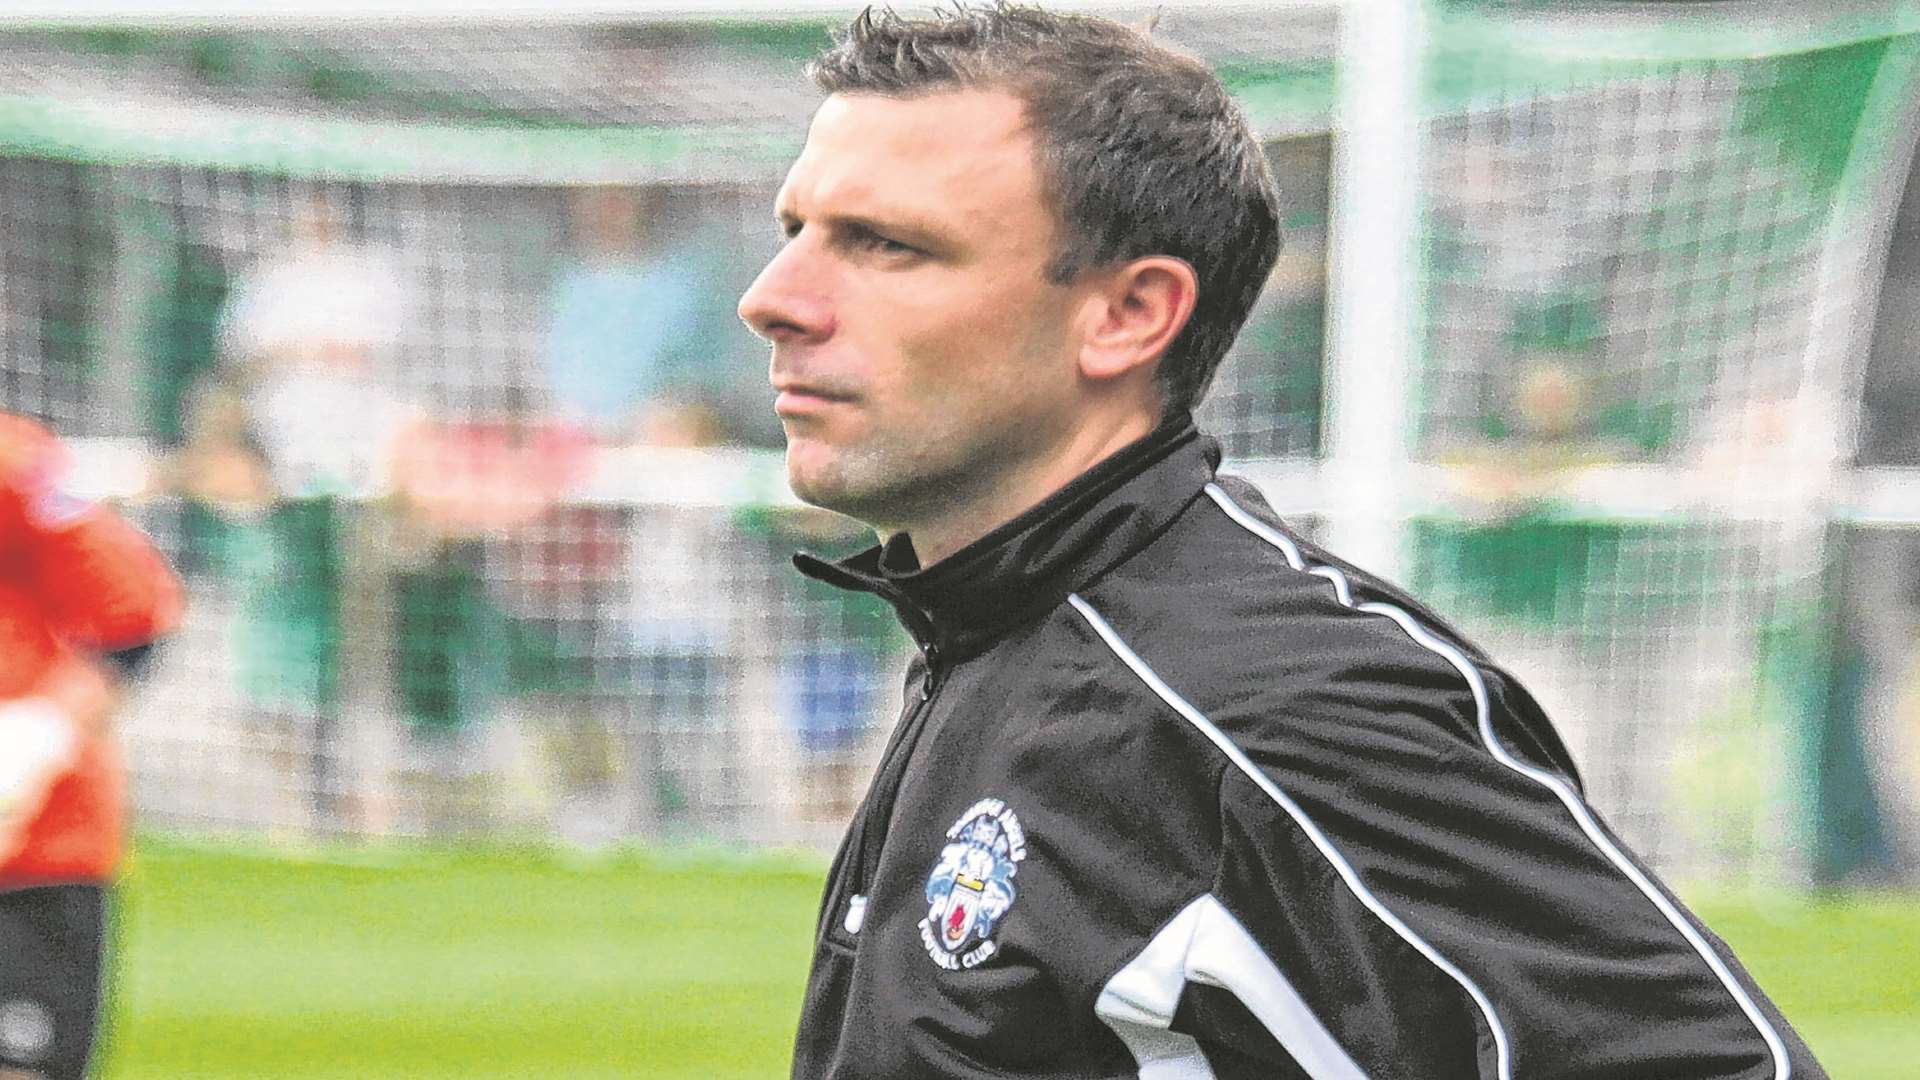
(920, 355)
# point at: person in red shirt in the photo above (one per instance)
(83, 597)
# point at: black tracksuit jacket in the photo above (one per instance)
(1178, 795)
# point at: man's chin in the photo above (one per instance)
(821, 479)
(814, 481)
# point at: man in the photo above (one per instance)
(82, 597)
(1175, 793)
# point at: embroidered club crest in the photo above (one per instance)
(971, 887)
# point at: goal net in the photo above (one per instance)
(413, 341)
(1652, 241)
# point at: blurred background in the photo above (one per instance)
(410, 334)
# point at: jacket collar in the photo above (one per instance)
(962, 604)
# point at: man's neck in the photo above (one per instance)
(936, 538)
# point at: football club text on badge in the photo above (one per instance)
(971, 886)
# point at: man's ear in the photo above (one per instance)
(1133, 314)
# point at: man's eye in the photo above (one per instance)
(885, 245)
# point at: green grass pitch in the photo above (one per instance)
(429, 964)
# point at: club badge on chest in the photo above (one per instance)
(971, 887)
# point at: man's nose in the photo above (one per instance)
(788, 301)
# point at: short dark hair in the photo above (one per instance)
(1141, 149)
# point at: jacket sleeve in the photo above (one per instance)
(1398, 897)
(101, 584)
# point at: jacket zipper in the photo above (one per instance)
(877, 813)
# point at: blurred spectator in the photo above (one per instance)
(1543, 416)
(642, 341)
(83, 595)
(625, 640)
(837, 664)
(354, 525)
(563, 582)
(619, 324)
(179, 337)
(463, 489)
(181, 324)
(630, 633)
(305, 326)
(292, 426)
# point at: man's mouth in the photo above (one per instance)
(801, 399)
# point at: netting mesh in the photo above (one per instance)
(421, 339)
(1628, 264)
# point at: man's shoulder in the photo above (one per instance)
(1226, 545)
(1249, 625)
(1230, 577)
